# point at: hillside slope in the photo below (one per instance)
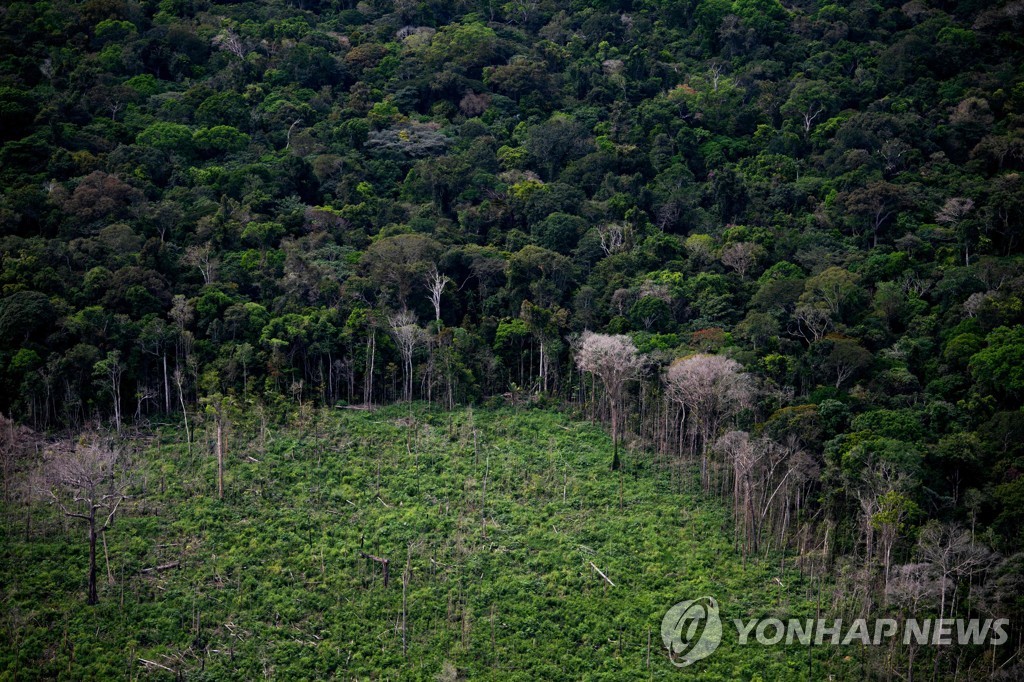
(271, 582)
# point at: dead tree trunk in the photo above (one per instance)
(386, 563)
(93, 597)
(220, 455)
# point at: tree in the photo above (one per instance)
(99, 196)
(155, 338)
(86, 481)
(615, 360)
(545, 324)
(766, 476)
(24, 315)
(556, 142)
(217, 406)
(952, 554)
(613, 237)
(710, 389)
(807, 101)
(700, 248)
(1000, 366)
(167, 137)
(845, 358)
(109, 371)
(201, 256)
(541, 274)
(407, 335)
(954, 214)
(436, 282)
(877, 203)
(741, 256)
(463, 47)
(394, 264)
(895, 508)
(830, 289)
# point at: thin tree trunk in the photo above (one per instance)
(106, 556)
(93, 597)
(483, 499)
(220, 456)
(184, 412)
(167, 388)
(405, 589)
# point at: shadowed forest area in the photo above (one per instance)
(265, 265)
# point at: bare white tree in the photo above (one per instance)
(86, 481)
(811, 322)
(436, 283)
(202, 257)
(715, 75)
(954, 212)
(953, 555)
(616, 361)
(229, 41)
(407, 335)
(741, 256)
(766, 479)
(613, 237)
(710, 389)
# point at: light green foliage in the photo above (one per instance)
(273, 573)
(168, 137)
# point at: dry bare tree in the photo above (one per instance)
(741, 256)
(811, 323)
(767, 480)
(613, 237)
(436, 282)
(954, 215)
(15, 448)
(407, 335)
(953, 555)
(615, 360)
(87, 481)
(217, 407)
(201, 257)
(710, 390)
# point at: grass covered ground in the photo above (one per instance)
(271, 582)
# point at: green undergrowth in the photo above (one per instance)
(270, 582)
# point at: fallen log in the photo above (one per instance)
(600, 573)
(154, 664)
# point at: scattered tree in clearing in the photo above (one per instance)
(616, 361)
(86, 481)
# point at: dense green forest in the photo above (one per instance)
(777, 247)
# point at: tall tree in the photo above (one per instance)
(615, 360)
(407, 335)
(710, 389)
(86, 480)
